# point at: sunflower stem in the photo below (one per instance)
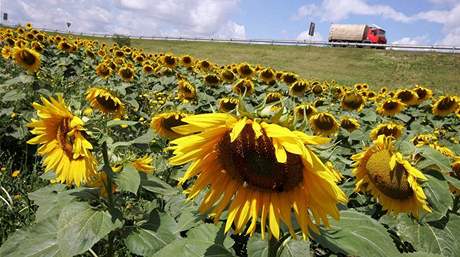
(109, 172)
(272, 247)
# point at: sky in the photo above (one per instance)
(422, 22)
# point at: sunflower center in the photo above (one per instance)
(422, 93)
(405, 96)
(253, 161)
(353, 101)
(392, 105)
(245, 70)
(393, 183)
(172, 121)
(65, 141)
(267, 74)
(228, 105)
(324, 122)
(446, 104)
(108, 103)
(347, 124)
(388, 131)
(28, 58)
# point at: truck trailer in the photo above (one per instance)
(357, 33)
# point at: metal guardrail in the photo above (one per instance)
(426, 48)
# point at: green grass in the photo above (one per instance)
(378, 68)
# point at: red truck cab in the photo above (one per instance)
(376, 36)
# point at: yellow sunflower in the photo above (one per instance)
(317, 88)
(144, 164)
(185, 90)
(324, 124)
(27, 58)
(305, 110)
(349, 124)
(211, 80)
(164, 123)
(390, 107)
(102, 70)
(352, 101)
(456, 174)
(298, 88)
(445, 105)
(258, 172)
(267, 75)
(7, 52)
(244, 87)
(245, 70)
(289, 78)
(105, 101)
(407, 96)
(423, 93)
(64, 148)
(384, 173)
(227, 75)
(272, 97)
(168, 61)
(228, 104)
(388, 129)
(186, 61)
(126, 73)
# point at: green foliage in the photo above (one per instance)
(121, 40)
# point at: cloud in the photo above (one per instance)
(450, 21)
(419, 40)
(336, 10)
(187, 18)
(304, 36)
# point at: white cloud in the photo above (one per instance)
(450, 20)
(187, 18)
(419, 40)
(336, 10)
(304, 36)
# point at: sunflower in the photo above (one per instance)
(324, 124)
(317, 88)
(407, 96)
(37, 46)
(349, 124)
(445, 106)
(423, 93)
(390, 179)
(228, 104)
(256, 171)
(390, 107)
(383, 90)
(105, 101)
(456, 174)
(126, 73)
(186, 61)
(244, 87)
(64, 148)
(147, 69)
(227, 75)
(163, 124)
(267, 75)
(388, 129)
(272, 97)
(27, 58)
(102, 70)
(7, 52)
(186, 91)
(66, 46)
(424, 139)
(305, 110)
(298, 88)
(289, 78)
(168, 61)
(245, 70)
(144, 164)
(204, 66)
(352, 101)
(211, 80)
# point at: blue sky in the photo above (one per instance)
(409, 21)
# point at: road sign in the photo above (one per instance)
(5, 16)
(311, 31)
(68, 24)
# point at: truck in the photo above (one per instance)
(357, 33)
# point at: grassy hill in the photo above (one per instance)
(346, 65)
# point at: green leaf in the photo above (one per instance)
(439, 159)
(153, 236)
(294, 248)
(155, 185)
(13, 95)
(188, 219)
(145, 138)
(114, 123)
(369, 115)
(257, 247)
(421, 254)
(80, 227)
(201, 241)
(438, 196)
(434, 237)
(50, 201)
(38, 240)
(128, 179)
(405, 118)
(211, 232)
(358, 235)
(455, 182)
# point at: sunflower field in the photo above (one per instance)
(108, 150)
